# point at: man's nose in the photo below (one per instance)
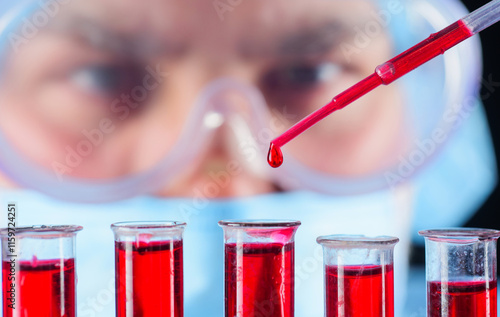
(231, 162)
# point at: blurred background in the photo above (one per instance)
(488, 215)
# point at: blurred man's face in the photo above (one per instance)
(126, 76)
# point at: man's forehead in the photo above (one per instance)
(224, 14)
(277, 24)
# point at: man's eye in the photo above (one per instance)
(106, 79)
(300, 76)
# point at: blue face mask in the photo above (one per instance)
(381, 213)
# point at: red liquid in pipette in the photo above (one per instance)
(462, 299)
(259, 280)
(385, 73)
(149, 279)
(46, 289)
(274, 156)
(360, 291)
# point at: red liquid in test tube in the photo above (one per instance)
(149, 268)
(359, 275)
(461, 272)
(46, 288)
(259, 280)
(462, 299)
(38, 271)
(149, 278)
(359, 291)
(259, 267)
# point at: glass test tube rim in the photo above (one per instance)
(43, 231)
(259, 223)
(134, 226)
(356, 241)
(460, 235)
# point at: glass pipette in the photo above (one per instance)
(386, 73)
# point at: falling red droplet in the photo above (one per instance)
(274, 156)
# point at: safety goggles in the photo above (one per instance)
(102, 100)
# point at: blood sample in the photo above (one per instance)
(46, 288)
(264, 273)
(454, 299)
(275, 156)
(461, 272)
(157, 278)
(259, 268)
(149, 269)
(366, 290)
(359, 275)
(38, 273)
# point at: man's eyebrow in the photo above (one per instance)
(99, 36)
(313, 40)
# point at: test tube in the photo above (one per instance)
(359, 275)
(461, 272)
(259, 267)
(38, 271)
(149, 268)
